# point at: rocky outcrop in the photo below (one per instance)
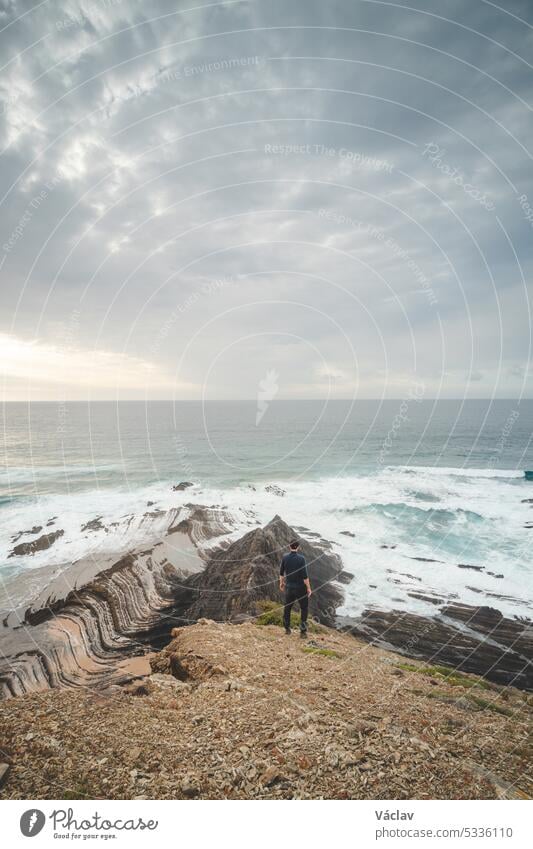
(39, 544)
(245, 573)
(202, 524)
(90, 637)
(276, 490)
(31, 532)
(96, 624)
(469, 639)
(93, 525)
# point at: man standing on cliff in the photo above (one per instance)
(294, 581)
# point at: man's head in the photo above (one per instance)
(294, 545)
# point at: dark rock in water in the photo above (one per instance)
(347, 533)
(247, 572)
(468, 566)
(275, 490)
(426, 559)
(432, 599)
(469, 639)
(51, 521)
(40, 544)
(388, 546)
(345, 577)
(494, 575)
(527, 501)
(150, 503)
(94, 525)
(494, 595)
(35, 530)
(179, 487)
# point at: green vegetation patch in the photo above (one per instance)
(272, 614)
(323, 652)
(446, 673)
(485, 704)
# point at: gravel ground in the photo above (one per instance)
(262, 715)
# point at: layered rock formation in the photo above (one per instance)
(470, 639)
(97, 622)
(247, 572)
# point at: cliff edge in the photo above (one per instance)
(243, 711)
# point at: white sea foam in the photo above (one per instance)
(455, 516)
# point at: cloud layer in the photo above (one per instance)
(340, 194)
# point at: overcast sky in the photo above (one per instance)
(332, 197)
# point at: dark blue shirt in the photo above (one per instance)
(294, 568)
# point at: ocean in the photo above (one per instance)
(412, 494)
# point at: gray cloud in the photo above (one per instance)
(334, 191)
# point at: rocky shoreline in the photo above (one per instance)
(99, 622)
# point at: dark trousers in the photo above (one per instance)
(292, 594)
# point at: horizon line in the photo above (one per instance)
(239, 400)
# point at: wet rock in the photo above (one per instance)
(426, 559)
(40, 544)
(347, 533)
(35, 530)
(179, 487)
(93, 525)
(491, 645)
(432, 599)
(345, 577)
(275, 490)
(469, 566)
